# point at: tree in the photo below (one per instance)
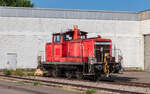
(16, 3)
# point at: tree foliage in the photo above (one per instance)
(16, 3)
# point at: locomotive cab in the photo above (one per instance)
(74, 34)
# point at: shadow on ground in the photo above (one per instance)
(119, 78)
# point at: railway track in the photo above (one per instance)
(83, 86)
(146, 85)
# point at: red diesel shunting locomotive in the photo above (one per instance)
(73, 54)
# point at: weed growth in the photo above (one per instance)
(90, 91)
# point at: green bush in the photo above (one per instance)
(7, 73)
(90, 91)
(19, 72)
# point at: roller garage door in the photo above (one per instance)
(147, 52)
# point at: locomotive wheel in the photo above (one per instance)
(54, 73)
(49, 73)
(68, 75)
(97, 77)
(79, 75)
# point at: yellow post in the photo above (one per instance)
(106, 66)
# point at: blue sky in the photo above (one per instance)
(114, 5)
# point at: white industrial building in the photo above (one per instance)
(24, 32)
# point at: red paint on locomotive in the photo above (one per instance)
(74, 46)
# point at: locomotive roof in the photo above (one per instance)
(70, 31)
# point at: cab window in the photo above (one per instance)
(83, 36)
(57, 38)
(68, 37)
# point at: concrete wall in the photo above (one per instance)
(27, 37)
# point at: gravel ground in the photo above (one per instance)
(17, 88)
(99, 84)
(142, 77)
(12, 91)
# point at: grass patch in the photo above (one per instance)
(20, 82)
(30, 74)
(8, 72)
(36, 83)
(90, 91)
(19, 72)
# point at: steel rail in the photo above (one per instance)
(137, 84)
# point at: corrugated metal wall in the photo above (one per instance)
(144, 18)
(144, 15)
(147, 52)
(67, 14)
